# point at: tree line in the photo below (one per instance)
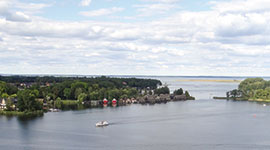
(102, 81)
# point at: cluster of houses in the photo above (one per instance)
(22, 86)
(147, 99)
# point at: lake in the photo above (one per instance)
(203, 124)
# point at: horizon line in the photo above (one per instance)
(126, 75)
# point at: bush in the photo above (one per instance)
(69, 104)
(163, 90)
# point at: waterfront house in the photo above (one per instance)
(3, 103)
(180, 97)
(128, 101)
(95, 103)
(165, 97)
(133, 100)
(157, 99)
(141, 100)
(151, 99)
(121, 102)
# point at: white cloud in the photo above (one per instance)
(13, 10)
(85, 2)
(220, 41)
(101, 12)
(17, 16)
(153, 9)
(238, 6)
(12, 15)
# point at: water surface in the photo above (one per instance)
(203, 124)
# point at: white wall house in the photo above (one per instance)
(2, 104)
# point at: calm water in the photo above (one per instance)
(203, 124)
(201, 90)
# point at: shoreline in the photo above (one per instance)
(38, 113)
(240, 99)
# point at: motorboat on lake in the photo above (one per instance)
(102, 124)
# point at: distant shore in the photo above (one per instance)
(208, 80)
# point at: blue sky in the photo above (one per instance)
(70, 9)
(136, 37)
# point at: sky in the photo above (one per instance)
(135, 37)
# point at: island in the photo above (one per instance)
(251, 89)
(34, 95)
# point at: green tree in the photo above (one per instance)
(249, 85)
(101, 94)
(9, 104)
(13, 96)
(76, 85)
(188, 97)
(94, 95)
(114, 93)
(187, 94)
(49, 96)
(78, 91)
(11, 89)
(58, 103)
(27, 100)
(235, 94)
(5, 95)
(3, 88)
(95, 87)
(43, 92)
(82, 97)
(178, 92)
(133, 92)
(67, 93)
(124, 96)
(56, 90)
(163, 90)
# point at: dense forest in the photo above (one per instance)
(102, 81)
(251, 89)
(72, 87)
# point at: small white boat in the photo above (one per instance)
(54, 110)
(264, 105)
(102, 124)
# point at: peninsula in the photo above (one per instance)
(34, 95)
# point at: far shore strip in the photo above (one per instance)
(207, 80)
